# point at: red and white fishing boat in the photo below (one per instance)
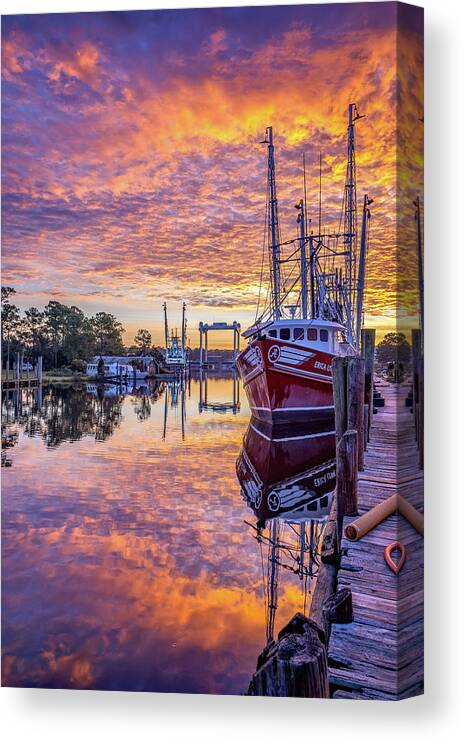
(313, 315)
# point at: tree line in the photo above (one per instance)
(63, 335)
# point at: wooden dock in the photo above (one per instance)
(379, 655)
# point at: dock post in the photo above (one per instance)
(346, 468)
(339, 370)
(348, 384)
(368, 353)
(355, 397)
(295, 664)
(366, 423)
(17, 369)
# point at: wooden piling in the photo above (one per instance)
(347, 478)
(295, 664)
(355, 398)
(368, 338)
(348, 391)
(339, 372)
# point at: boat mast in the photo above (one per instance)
(183, 336)
(166, 326)
(361, 268)
(303, 259)
(273, 224)
(350, 214)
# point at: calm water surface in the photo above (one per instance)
(126, 560)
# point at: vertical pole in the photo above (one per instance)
(368, 338)
(312, 278)
(339, 372)
(166, 326)
(201, 343)
(273, 226)
(416, 362)
(17, 368)
(201, 390)
(420, 263)
(302, 549)
(273, 582)
(303, 260)
(206, 344)
(355, 400)
(347, 480)
(361, 269)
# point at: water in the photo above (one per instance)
(126, 560)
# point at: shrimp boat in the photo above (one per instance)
(175, 346)
(315, 305)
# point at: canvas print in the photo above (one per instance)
(212, 351)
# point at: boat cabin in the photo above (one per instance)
(315, 333)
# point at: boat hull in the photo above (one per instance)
(286, 382)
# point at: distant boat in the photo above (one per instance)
(286, 367)
(175, 346)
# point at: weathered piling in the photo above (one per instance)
(347, 478)
(293, 665)
(355, 399)
(368, 338)
(348, 390)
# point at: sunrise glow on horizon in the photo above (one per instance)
(133, 172)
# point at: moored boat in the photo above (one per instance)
(308, 320)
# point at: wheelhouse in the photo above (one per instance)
(321, 334)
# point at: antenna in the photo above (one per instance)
(319, 203)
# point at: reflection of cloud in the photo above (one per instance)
(141, 574)
(149, 181)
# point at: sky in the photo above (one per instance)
(132, 169)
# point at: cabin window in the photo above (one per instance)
(324, 336)
(312, 333)
(285, 333)
(272, 333)
(313, 505)
(298, 333)
(323, 502)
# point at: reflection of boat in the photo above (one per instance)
(175, 346)
(287, 476)
(175, 396)
(288, 472)
(315, 308)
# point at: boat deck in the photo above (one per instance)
(380, 654)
